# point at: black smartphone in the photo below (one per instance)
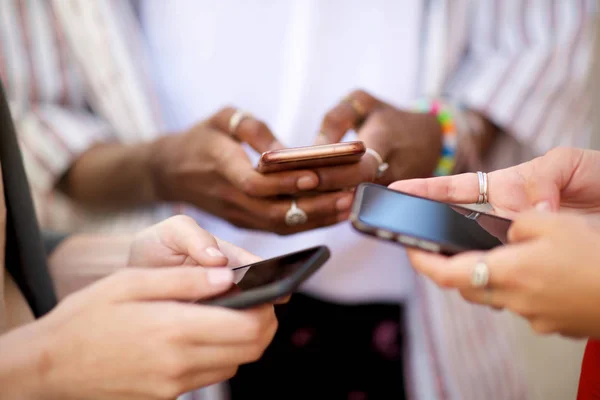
(423, 223)
(268, 280)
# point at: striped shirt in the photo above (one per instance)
(76, 76)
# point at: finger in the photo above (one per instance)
(488, 297)
(346, 115)
(250, 130)
(183, 235)
(283, 300)
(173, 283)
(237, 256)
(347, 176)
(534, 224)
(457, 271)
(196, 380)
(458, 189)
(203, 324)
(236, 168)
(317, 208)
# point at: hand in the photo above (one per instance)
(126, 338)
(564, 178)
(180, 241)
(549, 275)
(409, 142)
(208, 168)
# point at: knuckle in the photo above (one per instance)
(274, 215)
(253, 329)
(250, 185)
(254, 129)
(333, 121)
(168, 390)
(359, 93)
(542, 327)
(443, 278)
(228, 374)
(175, 367)
(181, 219)
(522, 308)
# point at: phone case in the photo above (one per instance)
(311, 157)
(274, 291)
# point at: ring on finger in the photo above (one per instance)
(295, 215)
(235, 120)
(382, 166)
(482, 177)
(480, 277)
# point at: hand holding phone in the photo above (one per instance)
(270, 280)
(423, 223)
(311, 157)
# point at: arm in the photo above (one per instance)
(21, 371)
(80, 260)
(111, 176)
(525, 71)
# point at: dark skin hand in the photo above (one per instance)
(208, 168)
(410, 142)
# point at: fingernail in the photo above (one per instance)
(219, 276)
(543, 206)
(344, 203)
(214, 252)
(307, 182)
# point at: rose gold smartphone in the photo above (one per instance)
(311, 157)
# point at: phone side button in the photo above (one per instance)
(407, 240)
(429, 246)
(384, 234)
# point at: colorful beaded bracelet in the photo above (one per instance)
(445, 117)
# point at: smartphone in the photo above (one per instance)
(311, 157)
(268, 280)
(423, 223)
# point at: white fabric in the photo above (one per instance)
(287, 63)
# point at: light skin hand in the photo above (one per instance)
(164, 348)
(548, 275)
(564, 178)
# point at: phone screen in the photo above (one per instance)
(441, 223)
(269, 271)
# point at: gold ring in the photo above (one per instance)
(235, 120)
(358, 108)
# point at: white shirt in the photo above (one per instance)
(288, 62)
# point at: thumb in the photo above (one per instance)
(176, 283)
(543, 194)
(531, 225)
(184, 236)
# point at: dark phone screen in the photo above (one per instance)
(430, 220)
(269, 271)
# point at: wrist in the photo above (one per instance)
(444, 117)
(24, 364)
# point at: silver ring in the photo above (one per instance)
(295, 215)
(481, 274)
(235, 120)
(382, 167)
(473, 215)
(483, 187)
